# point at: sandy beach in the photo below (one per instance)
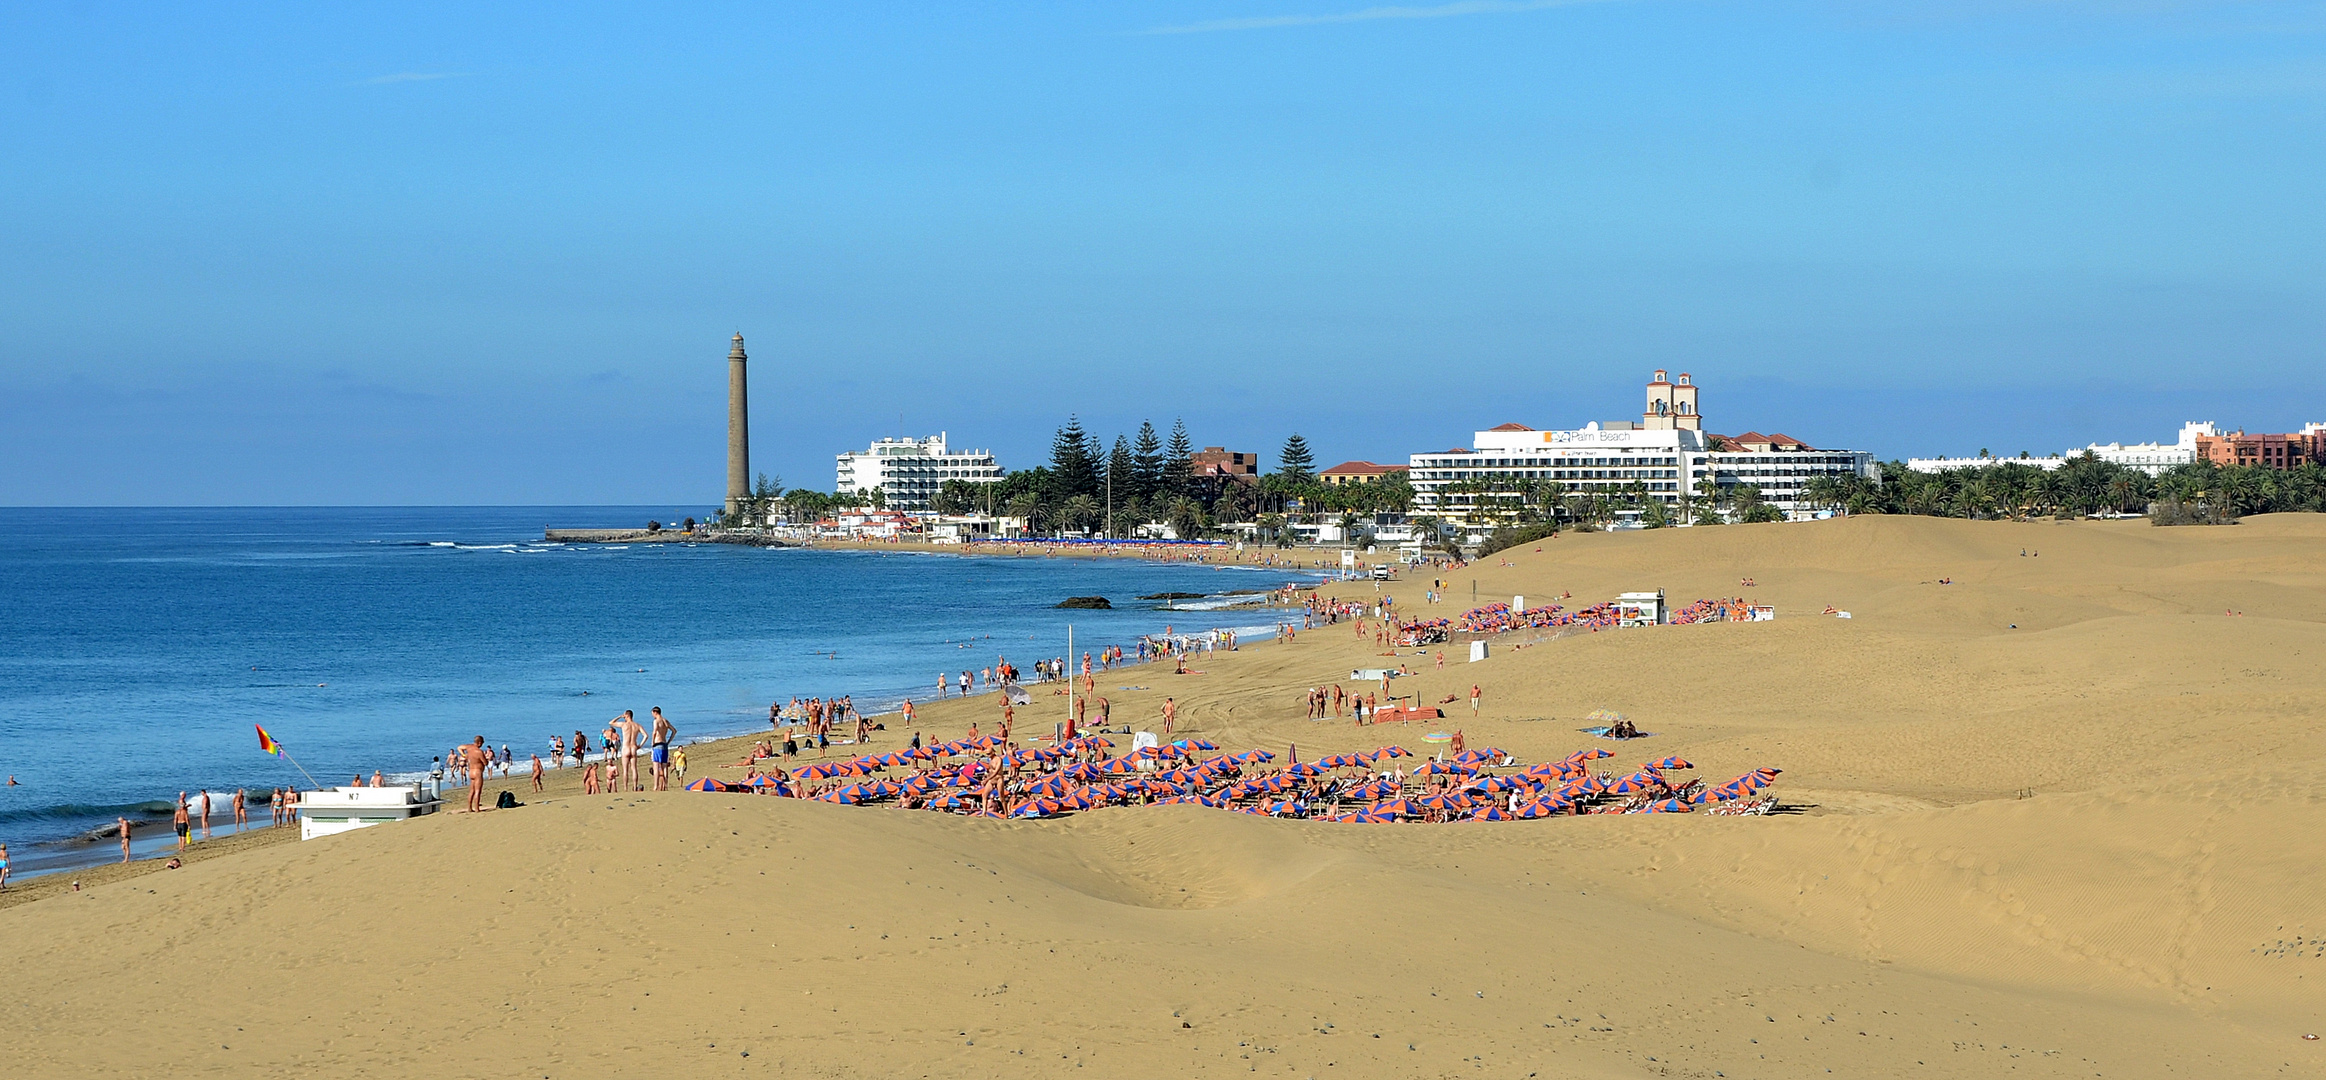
(2055, 816)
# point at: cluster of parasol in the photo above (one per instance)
(987, 777)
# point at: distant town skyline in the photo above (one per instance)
(439, 255)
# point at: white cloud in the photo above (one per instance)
(1441, 11)
(414, 76)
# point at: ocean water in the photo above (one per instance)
(138, 648)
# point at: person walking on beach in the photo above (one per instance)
(1170, 714)
(1474, 694)
(182, 822)
(664, 731)
(241, 811)
(536, 774)
(3, 867)
(122, 824)
(475, 757)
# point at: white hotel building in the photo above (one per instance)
(2151, 458)
(908, 472)
(1667, 451)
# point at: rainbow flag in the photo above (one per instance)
(267, 742)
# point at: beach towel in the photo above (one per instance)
(1603, 733)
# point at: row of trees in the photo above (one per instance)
(1519, 503)
(2082, 486)
(1090, 487)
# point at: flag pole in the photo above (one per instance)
(318, 784)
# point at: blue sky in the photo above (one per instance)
(474, 253)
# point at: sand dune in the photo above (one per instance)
(2084, 846)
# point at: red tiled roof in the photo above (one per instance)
(1361, 468)
(1510, 427)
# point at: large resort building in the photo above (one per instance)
(2151, 458)
(1664, 457)
(908, 472)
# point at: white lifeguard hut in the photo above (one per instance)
(1640, 609)
(345, 809)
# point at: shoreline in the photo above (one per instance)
(153, 839)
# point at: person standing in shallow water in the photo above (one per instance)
(122, 823)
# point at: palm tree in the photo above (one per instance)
(1080, 512)
(1185, 518)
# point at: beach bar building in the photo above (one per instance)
(1640, 608)
(345, 809)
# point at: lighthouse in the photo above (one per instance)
(738, 432)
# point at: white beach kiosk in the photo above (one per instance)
(1640, 608)
(344, 809)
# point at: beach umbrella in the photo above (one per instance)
(1635, 783)
(1667, 806)
(1542, 808)
(1033, 808)
(1392, 752)
(708, 784)
(1443, 768)
(1492, 813)
(1593, 754)
(1395, 807)
(1498, 783)
(1669, 763)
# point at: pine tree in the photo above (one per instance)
(1179, 462)
(1294, 461)
(1073, 469)
(1146, 464)
(1124, 470)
